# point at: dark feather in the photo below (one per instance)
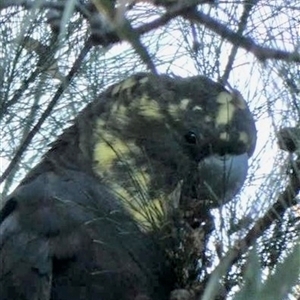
(99, 216)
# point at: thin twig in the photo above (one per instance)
(185, 10)
(285, 200)
(19, 153)
(248, 5)
(260, 52)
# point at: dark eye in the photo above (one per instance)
(191, 137)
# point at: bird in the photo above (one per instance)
(94, 218)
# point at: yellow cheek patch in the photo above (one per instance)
(184, 103)
(175, 110)
(225, 114)
(226, 108)
(147, 107)
(151, 214)
(224, 136)
(106, 154)
(146, 212)
(133, 190)
(243, 137)
(109, 148)
(101, 124)
(119, 108)
(138, 181)
(109, 152)
(197, 108)
(224, 98)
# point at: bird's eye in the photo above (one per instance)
(191, 137)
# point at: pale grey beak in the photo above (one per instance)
(221, 177)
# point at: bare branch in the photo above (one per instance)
(27, 140)
(186, 9)
(248, 5)
(285, 200)
(261, 53)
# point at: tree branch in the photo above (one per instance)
(284, 201)
(248, 5)
(27, 140)
(261, 53)
(186, 10)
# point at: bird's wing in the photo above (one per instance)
(64, 237)
(25, 266)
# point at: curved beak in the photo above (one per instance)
(221, 177)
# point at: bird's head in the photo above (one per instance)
(153, 133)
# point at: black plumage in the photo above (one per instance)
(95, 218)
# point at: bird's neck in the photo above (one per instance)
(115, 161)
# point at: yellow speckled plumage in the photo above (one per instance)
(110, 210)
(176, 110)
(147, 107)
(225, 114)
(111, 149)
(125, 85)
(224, 98)
(197, 108)
(226, 108)
(115, 149)
(243, 136)
(184, 103)
(224, 136)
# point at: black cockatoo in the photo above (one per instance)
(92, 219)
